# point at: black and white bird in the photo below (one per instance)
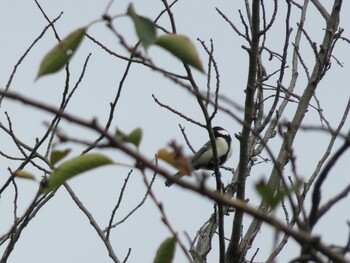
(204, 159)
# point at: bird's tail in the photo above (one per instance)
(178, 175)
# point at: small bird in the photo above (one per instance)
(204, 159)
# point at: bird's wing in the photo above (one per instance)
(205, 154)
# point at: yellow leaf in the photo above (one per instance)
(56, 156)
(24, 175)
(175, 159)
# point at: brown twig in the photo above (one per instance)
(316, 195)
(185, 117)
(186, 139)
(165, 219)
(245, 36)
(94, 224)
(120, 198)
(26, 53)
(133, 210)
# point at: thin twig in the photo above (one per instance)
(93, 223)
(164, 216)
(316, 195)
(331, 202)
(133, 210)
(26, 53)
(121, 194)
(245, 36)
(177, 112)
(186, 139)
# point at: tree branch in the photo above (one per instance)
(289, 136)
(316, 195)
(233, 254)
(94, 224)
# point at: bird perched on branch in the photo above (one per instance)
(204, 158)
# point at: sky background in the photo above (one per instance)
(60, 232)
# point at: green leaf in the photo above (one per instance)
(73, 167)
(61, 53)
(145, 28)
(274, 197)
(134, 137)
(182, 48)
(57, 156)
(269, 197)
(24, 175)
(165, 253)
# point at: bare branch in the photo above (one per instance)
(164, 216)
(321, 9)
(283, 156)
(121, 194)
(177, 112)
(26, 53)
(316, 195)
(212, 63)
(272, 20)
(326, 207)
(133, 210)
(233, 254)
(93, 222)
(245, 36)
(186, 139)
